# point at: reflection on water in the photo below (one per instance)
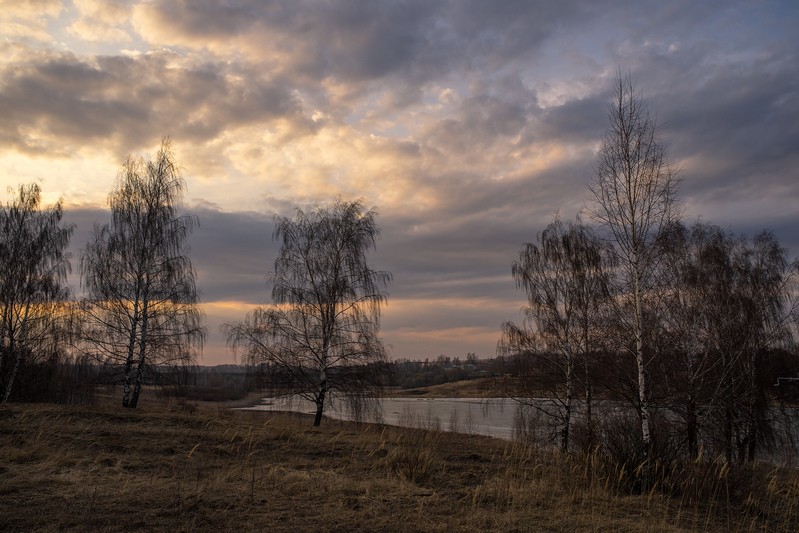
(505, 418)
(493, 417)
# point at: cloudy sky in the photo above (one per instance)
(468, 124)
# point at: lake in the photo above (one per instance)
(493, 417)
(497, 417)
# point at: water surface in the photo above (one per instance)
(493, 417)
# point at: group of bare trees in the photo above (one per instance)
(139, 311)
(686, 323)
(730, 311)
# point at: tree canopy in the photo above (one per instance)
(141, 306)
(321, 333)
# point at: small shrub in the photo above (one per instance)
(414, 465)
(618, 456)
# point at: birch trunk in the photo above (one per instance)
(320, 406)
(12, 376)
(17, 353)
(129, 358)
(565, 435)
(589, 414)
(691, 429)
(142, 354)
(643, 400)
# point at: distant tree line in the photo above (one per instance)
(410, 374)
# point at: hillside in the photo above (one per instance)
(183, 468)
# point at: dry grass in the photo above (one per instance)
(468, 388)
(208, 469)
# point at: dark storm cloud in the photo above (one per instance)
(729, 115)
(482, 120)
(369, 40)
(83, 220)
(132, 100)
(498, 31)
(477, 118)
(409, 43)
(209, 19)
(582, 120)
(747, 119)
(454, 256)
(352, 39)
(232, 253)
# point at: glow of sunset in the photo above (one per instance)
(466, 125)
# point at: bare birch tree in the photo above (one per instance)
(141, 306)
(749, 292)
(634, 198)
(33, 268)
(731, 303)
(697, 276)
(770, 288)
(565, 276)
(321, 334)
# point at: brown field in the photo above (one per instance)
(185, 468)
(470, 388)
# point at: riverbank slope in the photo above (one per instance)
(187, 468)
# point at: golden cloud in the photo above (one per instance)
(27, 19)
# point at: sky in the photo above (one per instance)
(467, 124)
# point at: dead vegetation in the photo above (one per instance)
(80, 468)
(467, 388)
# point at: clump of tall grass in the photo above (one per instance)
(411, 454)
(751, 496)
(414, 465)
